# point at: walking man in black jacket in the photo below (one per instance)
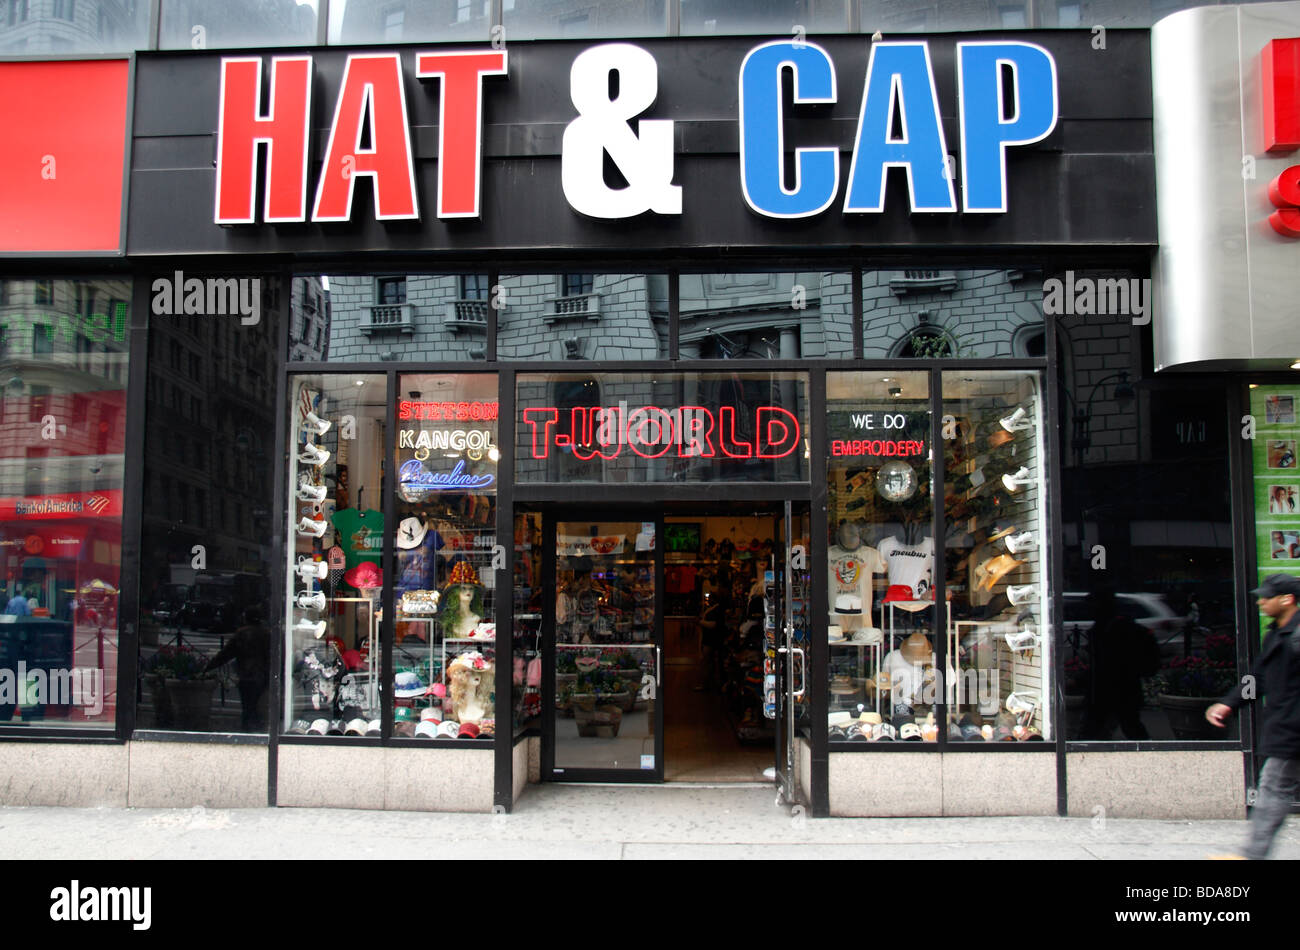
(1276, 677)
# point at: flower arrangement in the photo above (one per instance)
(176, 663)
(1197, 676)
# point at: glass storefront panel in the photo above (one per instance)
(335, 526)
(205, 560)
(952, 314)
(73, 26)
(1150, 615)
(766, 316)
(661, 427)
(997, 556)
(582, 316)
(883, 680)
(926, 16)
(563, 19)
(389, 317)
(604, 645)
(63, 374)
(444, 647)
(705, 17)
(224, 24)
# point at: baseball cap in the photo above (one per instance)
(427, 730)
(448, 730)
(1275, 585)
(468, 730)
(357, 727)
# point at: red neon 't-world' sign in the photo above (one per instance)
(601, 432)
(1280, 86)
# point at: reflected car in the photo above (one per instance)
(1149, 610)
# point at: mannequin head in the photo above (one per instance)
(849, 537)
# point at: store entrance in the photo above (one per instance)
(660, 636)
(715, 559)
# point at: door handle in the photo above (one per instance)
(803, 673)
(659, 665)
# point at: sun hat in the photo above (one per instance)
(916, 649)
(841, 718)
(1000, 438)
(834, 633)
(995, 568)
(410, 533)
(427, 730)
(870, 718)
(1000, 533)
(407, 685)
(867, 635)
(365, 576)
(848, 604)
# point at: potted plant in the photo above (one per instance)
(1187, 687)
(182, 687)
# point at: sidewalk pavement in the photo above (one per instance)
(602, 822)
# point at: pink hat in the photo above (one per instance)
(365, 576)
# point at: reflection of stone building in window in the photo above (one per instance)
(63, 353)
(766, 315)
(82, 26)
(934, 15)
(309, 320)
(445, 317)
(209, 425)
(235, 23)
(407, 21)
(953, 313)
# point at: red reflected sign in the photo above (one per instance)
(591, 432)
(1280, 86)
(99, 504)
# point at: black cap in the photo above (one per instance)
(1277, 584)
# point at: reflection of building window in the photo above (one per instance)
(1013, 18)
(42, 344)
(44, 288)
(575, 285)
(390, 290)
(1067, 14)
(65, 10)
(393, 20)
(926, 342)
(40, 396)
(17, 13)
(474, 287)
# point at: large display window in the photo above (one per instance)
(336, 537)
(881, 557)
(63, 374)
(446, 557)
(1000, 644)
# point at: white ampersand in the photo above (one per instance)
(644, 158)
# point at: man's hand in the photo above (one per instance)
(1218, 714)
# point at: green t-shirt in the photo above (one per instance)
(361, 535)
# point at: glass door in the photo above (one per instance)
(604, 636)
(787, 597)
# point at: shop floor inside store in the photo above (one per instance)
(701, 743)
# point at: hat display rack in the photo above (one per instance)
(334, 678)
(997, 566)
